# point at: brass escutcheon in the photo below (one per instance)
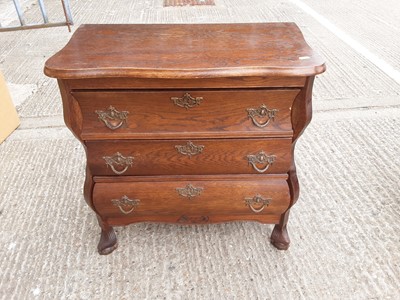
(262, 112)
(187, 101)
(259, 201)
(112, 118)
(189, 191)
(126, 205)
(189, 149)
(261, 158)
(119, 160)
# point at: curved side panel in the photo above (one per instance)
(73, 120)
(301, 117)
(72, 112)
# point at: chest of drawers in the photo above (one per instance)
(188, 124)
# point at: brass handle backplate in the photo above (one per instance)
(187, 101)
(118, 161)
(189, 191)
(257, 203)
(262, 112)
(126, 205)
(261, 158)
(112, 118)
(189, 149)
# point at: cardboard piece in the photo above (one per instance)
(9, 119)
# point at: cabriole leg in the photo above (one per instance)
(280, 237)
(108, 239)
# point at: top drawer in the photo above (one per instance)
(198, 113)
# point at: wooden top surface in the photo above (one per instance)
(185, 51)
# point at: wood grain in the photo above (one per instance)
(160, 198)
(154, 113)
(185, 51)
(222, 156)
(179, 83)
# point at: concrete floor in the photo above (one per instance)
(344, 228)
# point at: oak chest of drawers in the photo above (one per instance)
(188, 123)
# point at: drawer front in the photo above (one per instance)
(194, 201)
(138, 114)
(189, 157)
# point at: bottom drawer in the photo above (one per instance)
(191, 201)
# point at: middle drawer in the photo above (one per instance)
(189, 157)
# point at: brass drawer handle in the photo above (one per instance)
(126, 205)
(112, 118)
(262, 112)
(187, 101)
(189, 149)
(261, 158)
(119, 160)
(259, 201)
(189, 191)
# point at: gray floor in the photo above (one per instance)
(344, 228)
